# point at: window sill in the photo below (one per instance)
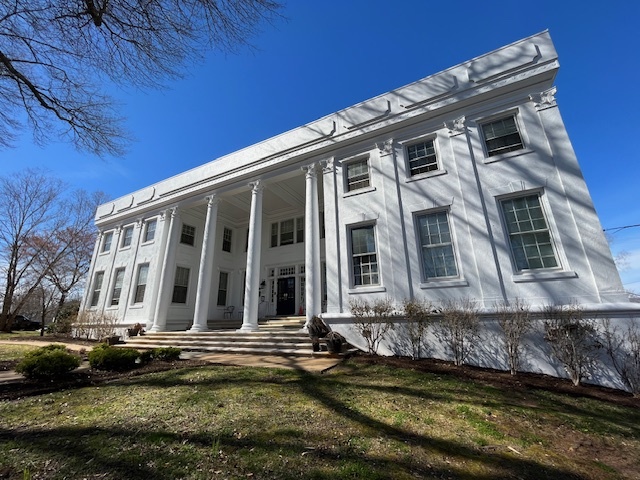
(106, 252)
(422, 176)
(457, 282)
(372, 289)
(359, 191)
(148, 242)
(136, 306)
(542, 276)
(128, 247)
(506, 156)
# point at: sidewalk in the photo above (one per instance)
(306, 364)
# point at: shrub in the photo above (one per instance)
(458, 328)
(372, 321)
(515, 321)
(105, 357)
(419, 315)
(166, 354)
(47, 362)
(624, 351)
(94, 325)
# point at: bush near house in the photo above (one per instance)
(47, 362)
(106, 357)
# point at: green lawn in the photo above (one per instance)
(356, 422)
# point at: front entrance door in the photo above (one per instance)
(286, 296)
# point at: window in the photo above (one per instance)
(222, 289)
(150, 230)
(299, 229)
(127, 235)
(141, 283)
(422, 157)
(502, 136)
(226, 239)
(117, 286)
(436, 247)
(97, 287)
(358, 175)
(106, 242)
(274, 234)
(529, 234)
(286, 232)
(363, 256)
(180, 285)
(188, 235)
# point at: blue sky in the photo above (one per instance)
(327, 55)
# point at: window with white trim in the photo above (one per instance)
(287, 232)
(141, 283)
(97, 287)
(222, 289)
(357, 174)
(188, 235)
(150, 230)
(127, 236)
(299, 229)
(529, 236)
(422, 157)
(106, 242)
(436, 245)
(502, 136)
(180, 285)
(227, 235)
(117, 286)
(364, 259)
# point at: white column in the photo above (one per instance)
(164, 222)
(166, 274)
(205, 271)
(251, 292)
(313, 287)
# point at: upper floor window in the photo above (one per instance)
(188, 235)
(436, 245)
(287, 232)
(422, 157)
(180, 285)
(150, 230)
(117, 286)
(106, 242)
(502, 136)
(357, 174)
(364, 259)
(97, 288)
(529, 235)
(226, 239)
(127, 236)
(141, 283)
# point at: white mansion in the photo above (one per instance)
(461, 185)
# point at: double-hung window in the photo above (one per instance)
(286, 232)
(141, 283)
(97, 287)
(436, 245)
(364, 259)
(106, 242)
(222, 289)
(529, 235)
(422, 157)
(188, 235)
(117, 287)
(227, 235)
(358, 174)
(180, 285)
(150, 230)
(502, 136)
(127, 236)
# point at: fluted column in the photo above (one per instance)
(251, 292)
(313, 287)
(166, 276)
(203, 290)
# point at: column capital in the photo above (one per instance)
(310, 170)
(257, 186)
(138, 222)
(457, 126)
(386, 147)
(212, 200)
(327, 165)
(544, 100)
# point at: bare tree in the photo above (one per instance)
(458, 328)
(372, 321)
(515, 321)
(419, 315)
(55, 56)
(28, 206)
(624, 351)
(572, 339)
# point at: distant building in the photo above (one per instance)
(461, 185)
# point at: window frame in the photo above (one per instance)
(96, 288)
(188, 235)
(107, 241)
(126, 238)
(227, 239)
(436, 155)
(349, 187)
(139, 285)
(493, 154)
(116, 289)
(451, 245)
(147, 224)
(180, 292)
(353, 277)
(222, 292)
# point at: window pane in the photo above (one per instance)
(97, 286)
(357, 175)
(188, 235)
(364, 258)
(286, 232)
(422, 157)
(141, 283)
(502, 136)
(226, 239)
(438, 259)
(150, 230)
(222, 289)
(127, 235)
(106, 243)
(117, 286)
(274, 234)
(180, 285)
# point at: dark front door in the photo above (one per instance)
(286, 296)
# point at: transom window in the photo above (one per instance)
(141, 283)
(502, 136)
(150, 230)
(127, 236)
(106, 242)
(180, 285)
(117, 286)
(422, 157)
(529, 235)
(364, 260)
(97, 288)
(436, 246)
(226, 239)
(358, 174)
(188, 235)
